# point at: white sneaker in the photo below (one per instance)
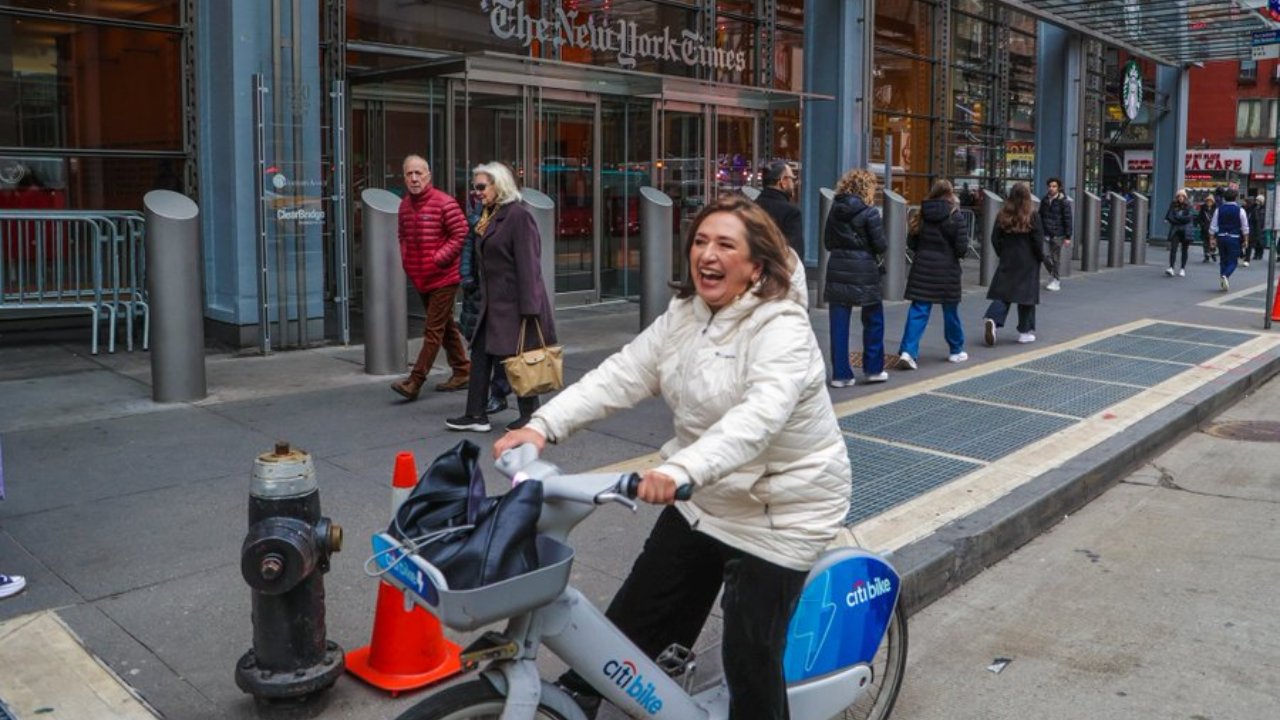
(1169, 272)
(877, 378)
(906, 362)
(958, 357)
(11, 585)
(1053, 286)
(1182, 272)
(841, 383)
(1244, 263)
(1025, 338)
(989, 332)
(1222, 283)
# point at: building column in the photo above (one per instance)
(1170, 144)
(235, 42)
(1059, 106)
(836, 133)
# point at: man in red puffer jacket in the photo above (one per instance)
(432, 230)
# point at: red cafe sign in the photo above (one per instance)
(1217, 161)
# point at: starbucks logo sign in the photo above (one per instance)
(1131, 89)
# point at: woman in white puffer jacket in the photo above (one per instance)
(735, 358)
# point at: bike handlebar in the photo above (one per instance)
(632, 486)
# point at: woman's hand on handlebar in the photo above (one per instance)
(657, 488)
(519, 437)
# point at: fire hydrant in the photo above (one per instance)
(283, 559)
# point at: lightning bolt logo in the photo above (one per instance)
(814, 627)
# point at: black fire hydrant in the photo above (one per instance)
(284, 558)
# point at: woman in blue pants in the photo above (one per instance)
(855, 241)
(933, 235)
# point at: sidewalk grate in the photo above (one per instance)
(886, 475)
(1204, 336)
(1154, 349)
(959, 427)
(1110, 368)
(1252, 300)
(1068, 396)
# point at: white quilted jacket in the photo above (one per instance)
(754, 426)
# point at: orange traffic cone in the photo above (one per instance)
(408, 650)
(1275, 304)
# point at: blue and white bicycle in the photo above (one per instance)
(846, 648)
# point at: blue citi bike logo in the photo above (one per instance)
(624, 674)
(864, 591)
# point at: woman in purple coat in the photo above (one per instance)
(509, 261)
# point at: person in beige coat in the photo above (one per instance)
(735, 358)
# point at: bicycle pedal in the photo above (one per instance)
(676, 660)
(491, 646)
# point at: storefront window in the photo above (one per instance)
(972, 45)
(164, 12)
(904, 25)
(902, 84)
(971, 96)
(76, 85)
(41, 182)
(1022, 81)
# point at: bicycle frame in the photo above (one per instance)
(842, 617)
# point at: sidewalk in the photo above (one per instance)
(127, 516)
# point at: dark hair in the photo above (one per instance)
(941, 190)
(764, 241)
(1054, 180)
(1230, 195)
(772, 172)
(1015, 216)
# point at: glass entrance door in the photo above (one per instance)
(736, 165)
(683, 172)
(626, 129)
(566, 134)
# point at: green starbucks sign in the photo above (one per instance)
(1131, 89)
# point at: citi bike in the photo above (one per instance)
(846, 647)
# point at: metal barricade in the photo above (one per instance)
(53, 261)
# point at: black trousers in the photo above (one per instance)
(1178, 239)
(998, 310)
(670, 592)
(478, 388)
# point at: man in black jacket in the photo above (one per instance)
(779, 182)
(1055, 218)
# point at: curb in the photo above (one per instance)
(955, 553)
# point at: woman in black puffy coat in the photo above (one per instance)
(934, 237)
(1018, 239)
(855, 241)
(1179, 218)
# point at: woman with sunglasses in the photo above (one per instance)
(508, 260)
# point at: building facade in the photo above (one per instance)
(276, 114)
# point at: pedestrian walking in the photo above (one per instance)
(1179, 217)
(1203, 218)
(856, 243)
(933, 235)
(1246, 240)
(779, 181)
(1056, 219)
(432, 230)
(1018, 240)
(512, 293)
(1228, 226)
(469, 269)
(1257, 215)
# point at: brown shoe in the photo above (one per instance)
(457, 382)
(408, 388)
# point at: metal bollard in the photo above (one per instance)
(1091, 233)
(826, 197)
(1115, 230)
(991, 204)
(543, 209)
(386, 308)
(894, 282)
(656, 210)
(1138, 249)
(177, 306)
(283, 559)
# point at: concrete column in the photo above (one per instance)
(991, 204)
(1170, 145)
(826, 196)
(1090, 231)
(895, 234)
(1053, 87)
(173, 285)
(656, 218)
(835, 133)
(543, 209)
(1115, 229)
(386, 313)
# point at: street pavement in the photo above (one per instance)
(1157, 600)
(127, 515)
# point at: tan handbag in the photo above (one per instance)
(536, 371)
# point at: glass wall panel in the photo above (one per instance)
(971, 94)
(911, 161)
(902, 84)
(973, 42)
(904, 25)
(42, 182)
(449, 25)
(78, 85)
(627, 144)
(735, 152)
(682, 174)
(791, 13)
(788, 60)
(164, 12)
(736, 55)
(567, 134)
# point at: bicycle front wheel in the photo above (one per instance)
(477, 700)
(886, 674)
